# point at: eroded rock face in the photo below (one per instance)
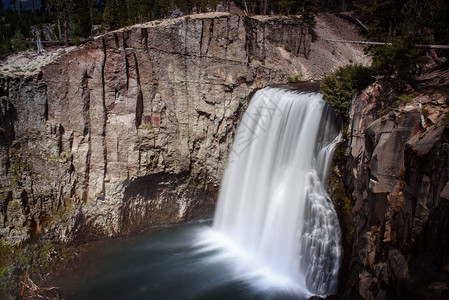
(134, 128)
(398, 165)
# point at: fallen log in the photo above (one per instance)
(446, 47)
(31, 291)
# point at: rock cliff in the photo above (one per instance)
(397, 166)
(134, 128)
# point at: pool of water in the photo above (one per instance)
(167, 263)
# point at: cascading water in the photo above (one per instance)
(275, 228)
(273, 211)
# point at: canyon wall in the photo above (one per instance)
(134, 128)
(397, 164)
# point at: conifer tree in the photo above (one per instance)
(306, 8)
(115, 14)
(404, 24)
(84, 17)
(43, 9)
(63, 10)
(165, 7)
(13, 3)
(157, 11)
(139, 11)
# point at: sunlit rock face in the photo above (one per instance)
(155, 105)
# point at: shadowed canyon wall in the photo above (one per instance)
(397, 163)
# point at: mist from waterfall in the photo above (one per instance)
(275, 234)
(274, 220)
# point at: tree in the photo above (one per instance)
(43, 9)
(157, 10)
(404, 24)
(139, 11)
(84, 17)
(63, 10)
(13, 3)
(186, 6)
(339, 87)
(18, 41)
(165, 7)
(115, 14)
(306, 8)
(337, 5)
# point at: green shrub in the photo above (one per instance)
(77, 40)
(293, 79)
(288, 48)
(19, 42)
(5, 47)
(339, 87)
(147, 126)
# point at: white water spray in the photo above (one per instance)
(273, 211)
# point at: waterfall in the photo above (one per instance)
(273, 208)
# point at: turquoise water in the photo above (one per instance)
(164, 263)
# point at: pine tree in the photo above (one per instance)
(165, 7)
(110, 14)
(13, 3)
(306, 8)
(157, 10)
(43, 9)
(84, 17)
(139, 11)
(404, 24)
(18, 41)
(115, 14)
(63, 9)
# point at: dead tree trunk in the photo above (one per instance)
(424, 46)
(59, 29)
(66, 32)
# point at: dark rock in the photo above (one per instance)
(399, 176)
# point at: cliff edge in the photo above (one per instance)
(134, 128)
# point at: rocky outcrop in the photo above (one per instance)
(398, 166)
(133, 129)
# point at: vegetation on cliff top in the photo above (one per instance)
(70, 21)
(404, 24)
(339, 87)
